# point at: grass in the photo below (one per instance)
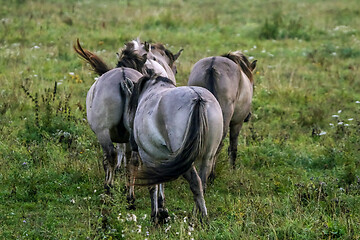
(297, 174)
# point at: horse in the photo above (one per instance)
(112, 105)
(172, 127)
(230, 78)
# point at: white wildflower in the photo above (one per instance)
(144, 217)
(254, 46)
(340, 123)
(251, 58)
(36, 47)
(335, 116)
(350, 119)
(71, 73)
(331, 124)
(167, 229)
(72, 200)
(333, 54)
(346, 125)
(322, 133)
(131, 217)
(189, 233)
(357, 102)
(339, 111)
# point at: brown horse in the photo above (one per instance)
(230, 78)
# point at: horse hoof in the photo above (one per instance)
(163, 215)
(131, 206)
(107, 188)
(211, 178)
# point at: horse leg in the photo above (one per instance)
(163, 212)
(228, 110)
(132, 167)
(232, 150)
(196, 187)
(154, 203)
(121, 156)
(206, 169)
(109, 161)
(212, 174)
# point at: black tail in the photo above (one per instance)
(211, 77)
(97, 64)
(191, 149)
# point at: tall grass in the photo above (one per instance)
(297, 173)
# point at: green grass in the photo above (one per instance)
(297, 173)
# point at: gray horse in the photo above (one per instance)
(229, 77)
(106, 103)
(172, 127)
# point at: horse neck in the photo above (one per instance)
(152, 88)
(159, 69)
(163, 65)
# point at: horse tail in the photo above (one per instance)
(97, 64)
(211, 77)
(193, 147)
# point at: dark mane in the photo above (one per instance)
(242, 62)
(137, 90)
(131, 59)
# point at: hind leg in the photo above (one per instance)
(163, 212)
(228, 110)
(232, 150)
(153, 190)
(131, 171)
(196, 187)
(109, 160)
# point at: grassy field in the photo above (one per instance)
(298, 168)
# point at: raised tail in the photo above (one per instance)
(181, 160)
(98, 65)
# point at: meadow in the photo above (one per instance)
(297, 174)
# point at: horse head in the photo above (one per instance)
(159, 58)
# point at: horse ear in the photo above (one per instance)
(176, 56)
(147, 46)
(253, 65)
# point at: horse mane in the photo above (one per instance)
(138, 88)
(240, 59)
(131, 59)
(97, 64)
